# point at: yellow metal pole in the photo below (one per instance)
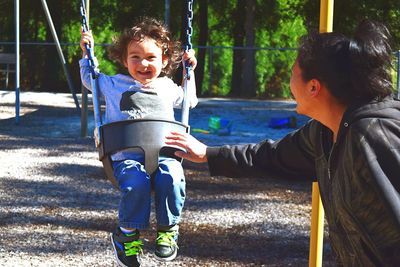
(317, 212)
(326, 16)
(317, 228)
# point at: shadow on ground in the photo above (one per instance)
(61, 197)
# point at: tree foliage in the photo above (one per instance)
(245, 48)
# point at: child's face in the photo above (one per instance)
(145, 60)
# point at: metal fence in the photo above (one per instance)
(211, 72)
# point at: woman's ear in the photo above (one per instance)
(314, 87)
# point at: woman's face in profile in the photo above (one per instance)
(298, 89)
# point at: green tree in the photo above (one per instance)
(281, 30)
(219, 24)
(347, 14)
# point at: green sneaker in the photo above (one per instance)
(166, 243)
(127, 248)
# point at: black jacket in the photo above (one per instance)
(358, 177)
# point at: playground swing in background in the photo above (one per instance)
(146, 135)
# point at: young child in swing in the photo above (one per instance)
(149, 54)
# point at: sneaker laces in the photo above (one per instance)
(133, 248)
(166, 239)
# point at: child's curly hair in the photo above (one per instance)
(147, 27)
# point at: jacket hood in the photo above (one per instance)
(388, 108)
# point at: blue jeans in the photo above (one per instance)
(169, 187)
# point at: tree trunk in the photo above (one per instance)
(238, 41)
(33, 55)
(203, 37)
(249, 67)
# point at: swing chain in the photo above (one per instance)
(189, 31)
(90, 53)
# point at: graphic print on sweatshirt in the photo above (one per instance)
(140, 105)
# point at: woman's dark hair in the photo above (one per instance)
(356, 69)
(151, 28)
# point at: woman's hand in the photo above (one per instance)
(189, 56)
(86, 39)
(195, 150)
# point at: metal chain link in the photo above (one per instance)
(93, 81)
(90, 52)
(188, 67)
(189, 31)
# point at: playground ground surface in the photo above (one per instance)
(57, 209)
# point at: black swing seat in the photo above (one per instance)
(145, 135)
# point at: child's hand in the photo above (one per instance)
(189, 56)
(86, 39)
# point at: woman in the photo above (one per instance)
(351, 145)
